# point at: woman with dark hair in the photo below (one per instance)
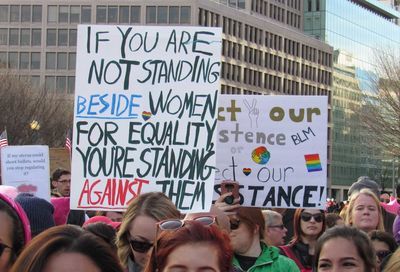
(308, 226)
(137, 232)
(67, 248)
(251, 254)
(384, 245)
(190, 246)
(344, 249)
(14, 231)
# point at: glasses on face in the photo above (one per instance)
(281, 227)
(3, 247)
(63, 181)
(174, 224)
(318, 217)
(382, 254)
(234, 224)
(140, 246)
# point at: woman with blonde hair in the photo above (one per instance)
(137, 232)
(364, 211)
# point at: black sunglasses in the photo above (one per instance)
(3, 247)
(234, 224)
(318, 217)
(277, 226)
(140, 246)
(382, 254)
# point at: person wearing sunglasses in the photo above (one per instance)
(15, 231)
(384, 245)
(275, 231)
(191, 245)
(137, 232)
(250, 252)
(309, 224)
(364, 211)
(343, 248)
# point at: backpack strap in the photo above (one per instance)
(290, 254)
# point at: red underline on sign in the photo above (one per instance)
(103, 207)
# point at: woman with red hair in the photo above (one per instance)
(308, 225)
(190, 246)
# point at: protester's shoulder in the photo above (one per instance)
(287, 263)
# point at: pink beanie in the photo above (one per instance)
(9, 191)
(61, 209)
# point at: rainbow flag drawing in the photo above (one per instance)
(313, 162)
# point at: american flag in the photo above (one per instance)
(68, 142)
(3, 139)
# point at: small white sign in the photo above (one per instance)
(26, 167)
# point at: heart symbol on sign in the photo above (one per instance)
(146, 115)
(247, 171)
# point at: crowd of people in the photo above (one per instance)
(153, 236)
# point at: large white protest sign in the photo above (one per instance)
(26, 167)
(275, 147)
(145, 115)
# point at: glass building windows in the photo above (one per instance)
(63, 14)
(3, 36)
(72, 37)
(124, 14)
(135, 14)
(14, 13)
(25, 13)
(112, 16)
(61, 61)
(71, 61)
(36, 37)
(24, 60)
(86, 14)
(61, 84)
(185, 15)
(50, 83)
(37, 14)
(62, 37)
(162, 15)
(3, 13)
(14, 36)
(13, 60)
(35, 61)
(174, 15)
(52, 14)
(71, 84)
(151, 13)
(101, 14)
(25, 36)
(51, 37)
(35, 81)
(74, 14)
(50, 60)
(3, 59)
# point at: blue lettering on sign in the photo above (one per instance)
(108, 106)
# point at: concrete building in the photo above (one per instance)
(264, 50)
(357, 29)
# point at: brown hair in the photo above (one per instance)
(297, 225)
(66, 238)
(155, 205)
(360, 240)
(191, 233)
(252, 217)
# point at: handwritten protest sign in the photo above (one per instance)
(279, 149)
(26, 167)
(145, 115)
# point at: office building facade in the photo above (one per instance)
(263, 52)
